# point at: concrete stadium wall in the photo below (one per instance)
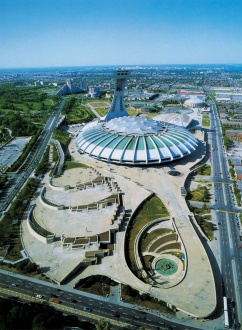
(32, 231)
(54, 187)
(43, 190)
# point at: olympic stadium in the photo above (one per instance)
(123, 139)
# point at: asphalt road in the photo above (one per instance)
(133, 317)
(227, 222)
(18, 179)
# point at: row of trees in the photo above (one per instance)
(129, 291)
(43, 166)
(15, 314)
(16, 211)
(69, 104)
(5, 135)
(170, 101)
(25, 152)
(20, 95)
(3, 180)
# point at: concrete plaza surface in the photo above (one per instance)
(195, 294)
(58, 262)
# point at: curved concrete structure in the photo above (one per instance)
(135, 141)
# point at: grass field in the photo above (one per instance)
(62, 137)
(200, 194)
(205, 169)
(151, 210)
(79, 114)
(70, 165)
(203, 217)
(206, 121)
(101, 111)
(206, 226)
(99, 103)
(132, 112)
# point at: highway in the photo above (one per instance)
(227, 222)
(134, 317)
(19, 178)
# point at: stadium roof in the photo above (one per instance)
(135, 141)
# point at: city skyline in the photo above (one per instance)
(85, 33)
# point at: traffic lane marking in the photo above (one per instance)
(64, 308)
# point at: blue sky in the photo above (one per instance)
(41, 33)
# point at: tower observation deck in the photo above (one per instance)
(117, 108)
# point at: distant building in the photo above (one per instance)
(194, 102)
(94, 91)
(84, 86)
(234, 134)
(39, 83)
(70, 88)
(189, 92)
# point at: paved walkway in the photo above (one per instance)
(57, 262)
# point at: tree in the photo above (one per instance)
(103, 325)
(31, 268)
(39, 322)
(205, 195)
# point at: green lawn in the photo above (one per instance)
(62, 137)
(132, 112)
(206, 120)
(70, 165)
(101, 111)
(206, 226)
(151, 210)
(204, 169)
(79, 114)
(201, 211)
(200, 194)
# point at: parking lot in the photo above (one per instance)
(11, 151)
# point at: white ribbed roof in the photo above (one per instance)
(194, 100)
(133, 125)
(135, 141)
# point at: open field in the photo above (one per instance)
(206, 120)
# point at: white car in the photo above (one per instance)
(39, 296)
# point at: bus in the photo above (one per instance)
(226, 314)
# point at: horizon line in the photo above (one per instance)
(116, 65)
